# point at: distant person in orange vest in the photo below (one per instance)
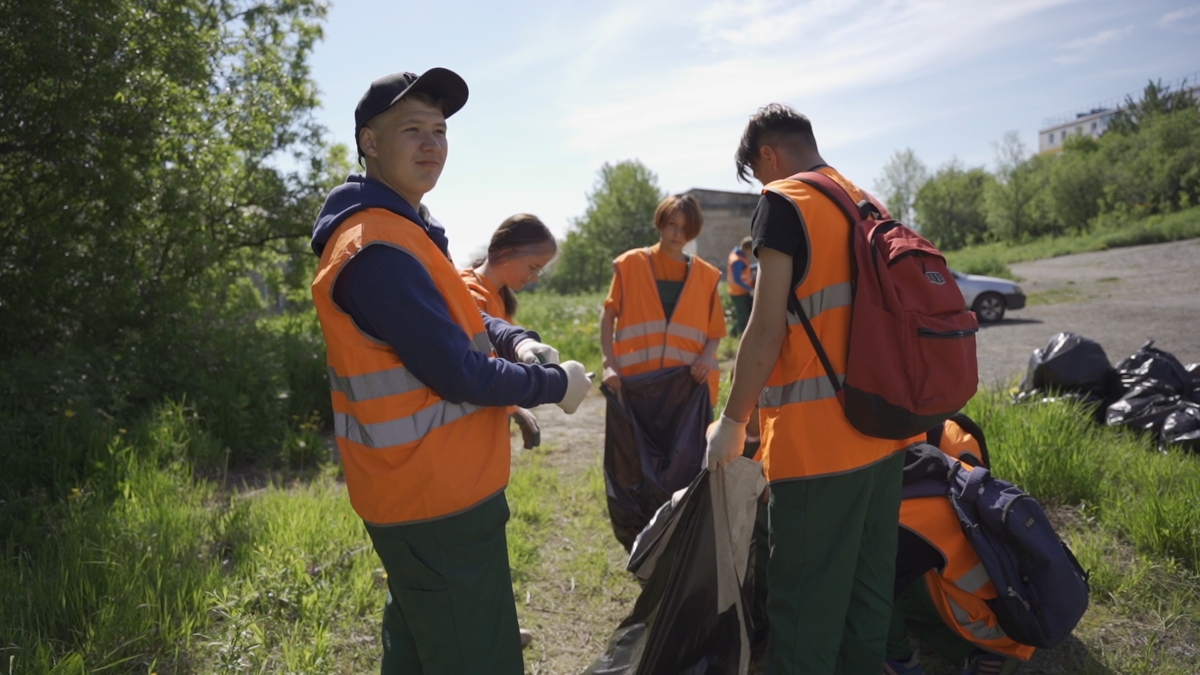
(834, 493)
(942, 588)
(421, 382)
(518, 252)
(663, 309)
(740, 280)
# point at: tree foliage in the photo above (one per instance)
(1011, 199)
(950, 206)
(160, 168)
(902, 178)
(139, 153)
(619, 216)
(1147, 162)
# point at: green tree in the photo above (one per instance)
(950, 206)
(902, 178)
(1075, 184)
(140, 146)
(1011, 202)
(619, 216)
(160, 168)
(1155, 169)
(1156, 100)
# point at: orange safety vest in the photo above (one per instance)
(956, 442)
(804, 430)
(645, 339)
(734, 256)
(960, 590)
(408, 454)
(487, 297)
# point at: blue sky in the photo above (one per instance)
(559, 88)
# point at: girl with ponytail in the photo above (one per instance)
(520, 249)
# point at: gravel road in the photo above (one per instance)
(1118, 298)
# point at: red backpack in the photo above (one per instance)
(911, 363)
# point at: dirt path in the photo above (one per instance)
(1118, 298)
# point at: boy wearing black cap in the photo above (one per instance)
(420, 382)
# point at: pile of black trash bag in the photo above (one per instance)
(1150, 390)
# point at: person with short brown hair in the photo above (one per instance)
(664, 289)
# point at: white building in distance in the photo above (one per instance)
(1094, 120)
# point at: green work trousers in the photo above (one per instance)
(913, 610)
(741, 312)
(450, 607)
(832, 567)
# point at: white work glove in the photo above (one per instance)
(532, 351)
(578, 384)
(726, 440)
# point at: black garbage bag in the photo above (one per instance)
(1193, 369)
(1182, 428)
(1152, 363)
(693, 615)
(1071, 364)
(1144, 407)
(653, 444)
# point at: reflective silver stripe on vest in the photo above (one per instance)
(381, 383)
(654, 354)
(837, 295)
(641, 329)
(809, 389)
(403, 430)
(481, 343)
(687, 333)
(679, 355)
(973, 580)
(978, 629)
(398, 380)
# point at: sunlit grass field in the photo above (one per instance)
(993, 259)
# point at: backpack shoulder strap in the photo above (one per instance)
(869, 207)
(795, 308)
(830, 188)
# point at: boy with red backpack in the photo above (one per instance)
(835, 492)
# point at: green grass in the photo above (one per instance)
(1109, 232)
(149, 568)
(571, 323)
(1055, 452)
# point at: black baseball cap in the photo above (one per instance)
(440, 83)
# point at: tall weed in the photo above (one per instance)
(1055, 452)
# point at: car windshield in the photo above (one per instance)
(956, 275)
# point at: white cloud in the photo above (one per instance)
(820, 49)
(1080, 48)
(1179, 19)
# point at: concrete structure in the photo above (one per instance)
(726, 222)
(1094, 121)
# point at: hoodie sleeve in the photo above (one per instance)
(391, 297)
(505, 337)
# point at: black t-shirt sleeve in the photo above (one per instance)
(777, 225)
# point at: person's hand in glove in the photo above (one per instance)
(726, 440)
(578, 384)
(532, 351)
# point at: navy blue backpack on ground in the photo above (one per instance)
(1042, 591)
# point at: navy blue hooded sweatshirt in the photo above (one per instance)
(389, 296)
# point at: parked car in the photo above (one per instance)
(989, 297)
